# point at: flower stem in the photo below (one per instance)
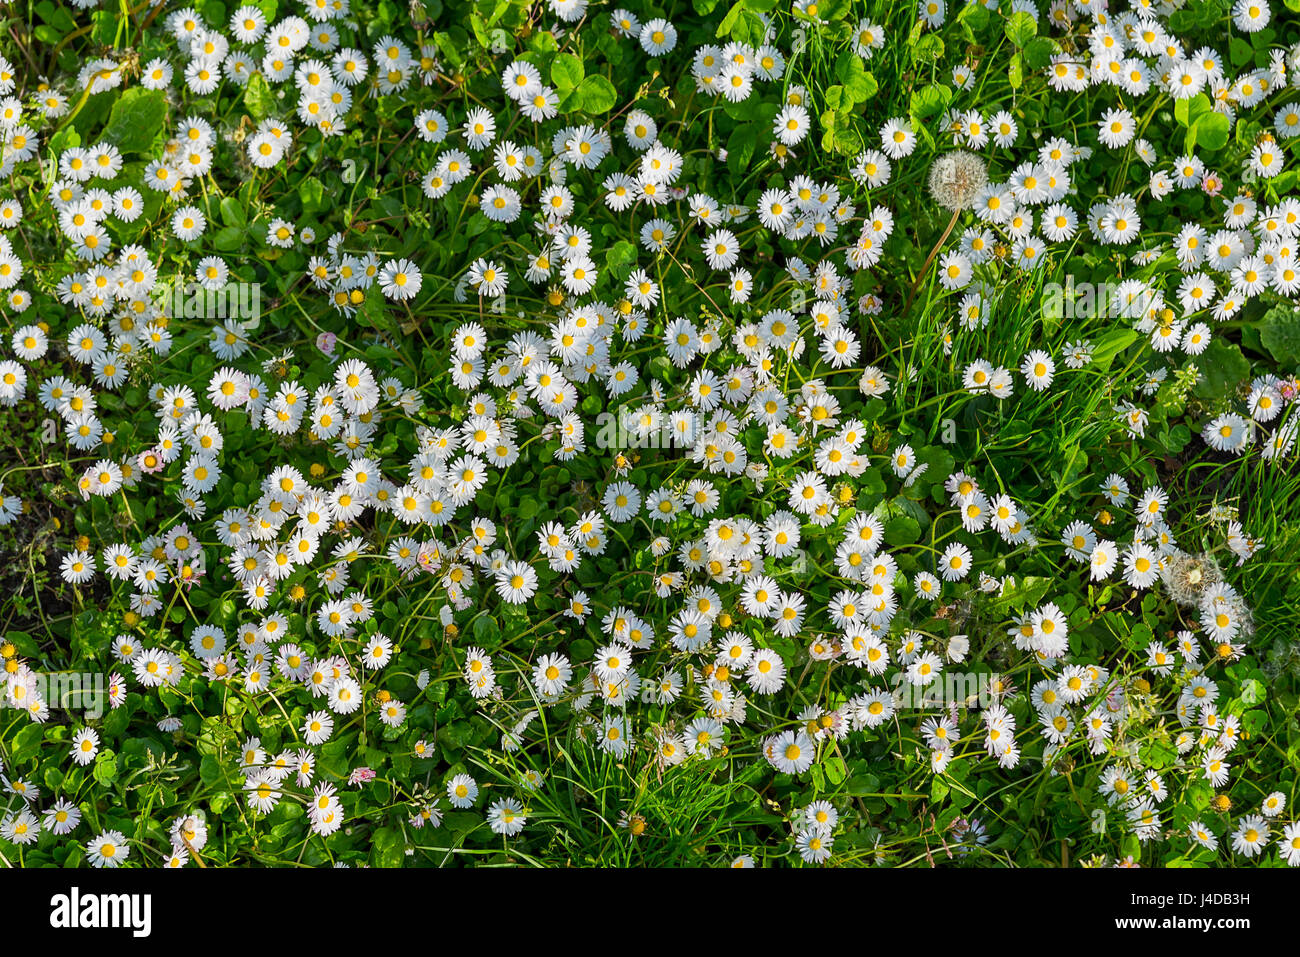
(930, 258)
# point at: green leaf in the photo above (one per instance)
(23, 642)
(137, 118)
(26, 744)
(1020, 28)
(56, 16)
(1111, 345)
(1158, 755)
(258, 97)
(387, 848)
(373, 311)
(867, 88)
(1240, 52)
(486, 631)
(928, 49)
(1222, 366)
(930, 100)
(1279, 331)
(228, 239)
(974, 16)
(836, 772)
(621, 254)
(479, 26)
(65, 139)
(105, 26)
(566, 72)
(1210, 131)
(1019, 593)
(847, 141)
(861, 784)
(209, 769)
(750, 30)
(902, 530)
(1039, 52)
(741, 24)
(232, 212)
(729, 21)
(938, 790)
(597, 94)
(449, 50)
(312, 193)
(741, 147)
(1252, 692)
(105, 771)
(1187, 112)
(858, 85)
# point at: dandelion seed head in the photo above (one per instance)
(955, 179)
